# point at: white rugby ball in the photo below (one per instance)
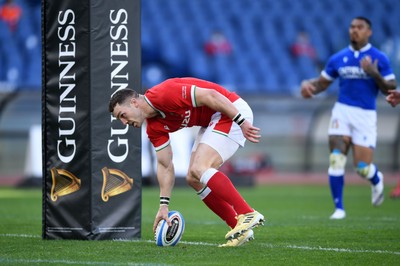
(170, 235)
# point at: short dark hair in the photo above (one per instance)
(120, 97)
(366, 20)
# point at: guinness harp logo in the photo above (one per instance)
(64, 183)
(115, 182)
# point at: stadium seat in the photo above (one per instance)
(256, 29)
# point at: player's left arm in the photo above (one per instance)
(371, 68)
(393, 98)
(218, 102)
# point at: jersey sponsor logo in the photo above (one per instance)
(186, 119)
(352, 72)
(184, 91)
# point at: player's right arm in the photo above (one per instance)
(218, 102)
(311, 87)
(166, 181)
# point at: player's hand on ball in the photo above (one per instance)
(162, 214)
(170, 235)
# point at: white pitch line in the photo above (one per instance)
(198, 243)
(20, 235)
(183, 242)
(72, 262)
(288, 247)
(344, 250)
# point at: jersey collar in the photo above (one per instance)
(363, 49)
(152, 106)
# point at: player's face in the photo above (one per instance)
(359, 32)
(129, 114)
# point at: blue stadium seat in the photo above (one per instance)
(34, 71)
(257, 29)
(200, 67)
(13, 65)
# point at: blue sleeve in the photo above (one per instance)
(330, 68)
(384, 66)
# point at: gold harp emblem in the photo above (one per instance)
(115, 182)
(64, 183)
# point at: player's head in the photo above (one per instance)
(360, 30)
(121, 97)
(366, 20)
(123, 106)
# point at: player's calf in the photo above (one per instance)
(370, 172)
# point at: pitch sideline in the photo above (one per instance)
(344, 250)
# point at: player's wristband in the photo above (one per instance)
(164, 201)
(238, 119)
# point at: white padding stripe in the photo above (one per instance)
(204, 193)
(335, 172)
(371, 171)
(206, 176)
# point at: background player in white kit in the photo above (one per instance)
(363, 71)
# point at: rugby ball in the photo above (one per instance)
(170, 235)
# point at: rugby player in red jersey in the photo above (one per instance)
(225, 121)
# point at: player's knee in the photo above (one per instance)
(191, 181)
(194, 174)
(190, 178)
(337, 163)
(365, 170)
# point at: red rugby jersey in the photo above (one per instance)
(175, 100)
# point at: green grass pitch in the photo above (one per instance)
(297, 231)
